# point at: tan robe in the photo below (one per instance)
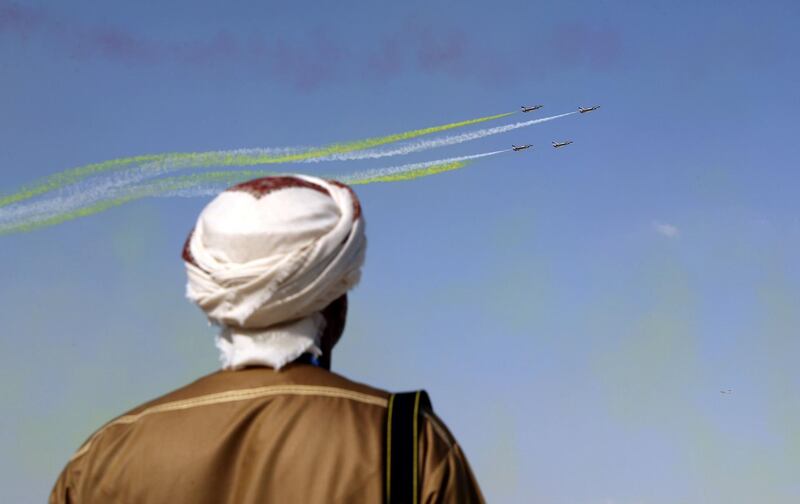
(301, 435)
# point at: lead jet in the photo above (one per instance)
(561, 144)
(521, 147)
(531, 109)
(583, 110)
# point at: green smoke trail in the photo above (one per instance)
(231, 158)
(53, 182)
(222, 177)
(412, 174)
(162, 186)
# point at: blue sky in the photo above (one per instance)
(574, 314)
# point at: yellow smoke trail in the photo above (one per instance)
(221, 177)
(224, 158)
(162, 186)
(411, 175)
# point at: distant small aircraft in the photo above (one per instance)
(531, 109)
(583, 110)
(561, 144)
(521, 147)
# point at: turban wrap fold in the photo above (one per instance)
(266, 256)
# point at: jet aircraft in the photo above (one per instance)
(531, 109)
(561, 144)
(521, 147)
(583, 110)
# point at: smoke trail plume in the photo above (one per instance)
(436, 142)
(83, 204)
(252, 157)
(413, 171)
(155, 165)
(158, 163)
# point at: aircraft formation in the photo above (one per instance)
(556, 145)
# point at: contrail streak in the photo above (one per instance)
(391, 174)
(211, 183)
(436, 142)
(244, 157)
(68, 208)
(59, 210)
(412, 171)
(161, 162)
(252, 157)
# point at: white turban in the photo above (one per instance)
(266, 256)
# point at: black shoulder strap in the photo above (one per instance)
(402, 432)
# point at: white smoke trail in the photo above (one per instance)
(397, 170)
(108, 185)
(352, 178)
(433, 143)
(82, 194)
(40, 211)
(118, 184)
(211, 189)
